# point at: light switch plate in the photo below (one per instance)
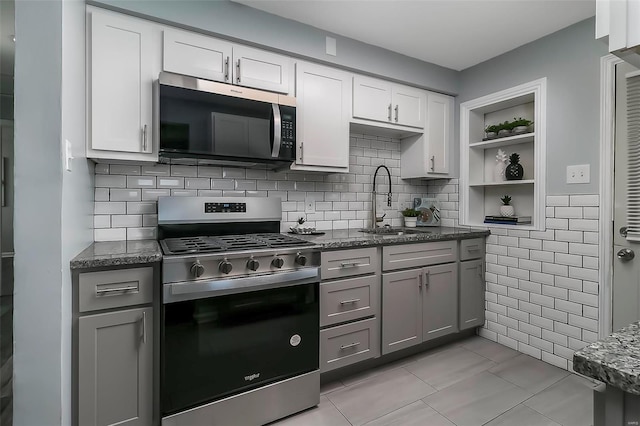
(309, 205)
(579, 173)
(331, 46)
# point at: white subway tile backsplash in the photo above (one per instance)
(583, 224)
(569, 236)
(141, 233)
(558, 200)
(184, 171)
(555, 360)
(184, 193)
(126, 221)
(569, 307)
(101, 194)
(101, 221)
(568, 212)
(116, 194)
(585, 200)
(156, 170)
(141, 181)
(171, 182)
(529, 350)
(123, 169)
(197, 183)
(111, 234)
(542, 344)
(110, 207)
(101, 169)
(153, 194)
(111, 181)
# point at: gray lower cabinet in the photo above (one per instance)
(440, 301)
(401, 310)
(472, 294)
(418, 305)
(115, 368)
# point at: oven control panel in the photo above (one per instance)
(225, 207)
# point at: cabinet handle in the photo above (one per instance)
(301, 146)
(350, 264)
(226, 69)
(352, 345)
(396, 113)
(106, 291)
(144, 138)
(473, 248)
(348, 302)
(238, 71)
(144, 327)
(433, 163)
(420, 283)
(390, 107)
(480, 270)
(426, 279)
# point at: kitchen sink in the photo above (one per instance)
(392, 231)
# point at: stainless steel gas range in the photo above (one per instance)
(240, 313)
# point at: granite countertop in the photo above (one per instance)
(353, 238)
(105, 254)
(614, 360)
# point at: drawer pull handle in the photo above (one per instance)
(473, 248)
(350, 264)
(348, 302)
(351, 345)
(107, 291)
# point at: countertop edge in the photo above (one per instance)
(117, 253)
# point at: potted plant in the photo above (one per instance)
(410, 217)
(520, 125)
(506, 209)
(492, 131)
(504, 129)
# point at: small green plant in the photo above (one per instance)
(521, 122)
(301, 220)
(506, 200)
(505, 126)
(410, 213)
(494, 128)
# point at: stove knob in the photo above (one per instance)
(301, 259)
(277, 262)
(225, 267)
(197, 269)
(253, 264)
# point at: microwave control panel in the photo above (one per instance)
(288, 131)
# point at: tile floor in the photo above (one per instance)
(471, 382)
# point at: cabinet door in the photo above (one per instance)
(472, 287)
(196, 55)
(372, 99)
(121, 84)
(115, 368)
(323, 103)
(439, 132)
(261, 70)
(409, 106)
(440, 301)
(401, 310)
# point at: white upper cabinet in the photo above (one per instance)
(408, 106)
(122, 66)
(322, 114)
(430, 154)
(379, 100)
(372, 99)
(197, 55)
(618, 23)
(260, 69)
(209, 58)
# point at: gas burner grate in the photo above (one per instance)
(229, 243)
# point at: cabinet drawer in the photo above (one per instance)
(472, 249)
(348, 300)
(350, 343)
(115, 289)
(347, 263)
(417, 255)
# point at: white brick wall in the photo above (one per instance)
(542, 287)
(126, 195)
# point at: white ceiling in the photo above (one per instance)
(455, 34)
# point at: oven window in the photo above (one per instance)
(216, 347)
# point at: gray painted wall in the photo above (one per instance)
(570, 59)
(53, 208)
(38, 207)
(239, 22)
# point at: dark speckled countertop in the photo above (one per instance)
(353, 238)
(106, 254)
(614, 360)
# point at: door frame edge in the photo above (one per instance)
(605, 224)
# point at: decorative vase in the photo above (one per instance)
(507, 211)
(531, 128)
(519, 130)
(514, 170)
(504, 133)
(491, 135)
(410, 222)
(498, 171)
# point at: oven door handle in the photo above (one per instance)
(178, 292)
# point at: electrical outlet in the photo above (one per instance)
(579, 173)
(309, 205)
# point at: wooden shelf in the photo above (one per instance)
(506, 182)
(509, 140)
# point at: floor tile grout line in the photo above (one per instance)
(541, 390)
(542, 414)
(434, 409)
(393, 411)
(338, 410)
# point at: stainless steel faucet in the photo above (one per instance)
(374, 218)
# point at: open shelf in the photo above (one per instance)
(481, 188)
(506, 182)
(509, 140)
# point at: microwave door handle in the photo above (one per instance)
(277, 131)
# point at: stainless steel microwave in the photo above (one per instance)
(218, 123)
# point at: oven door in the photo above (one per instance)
(220, 342)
